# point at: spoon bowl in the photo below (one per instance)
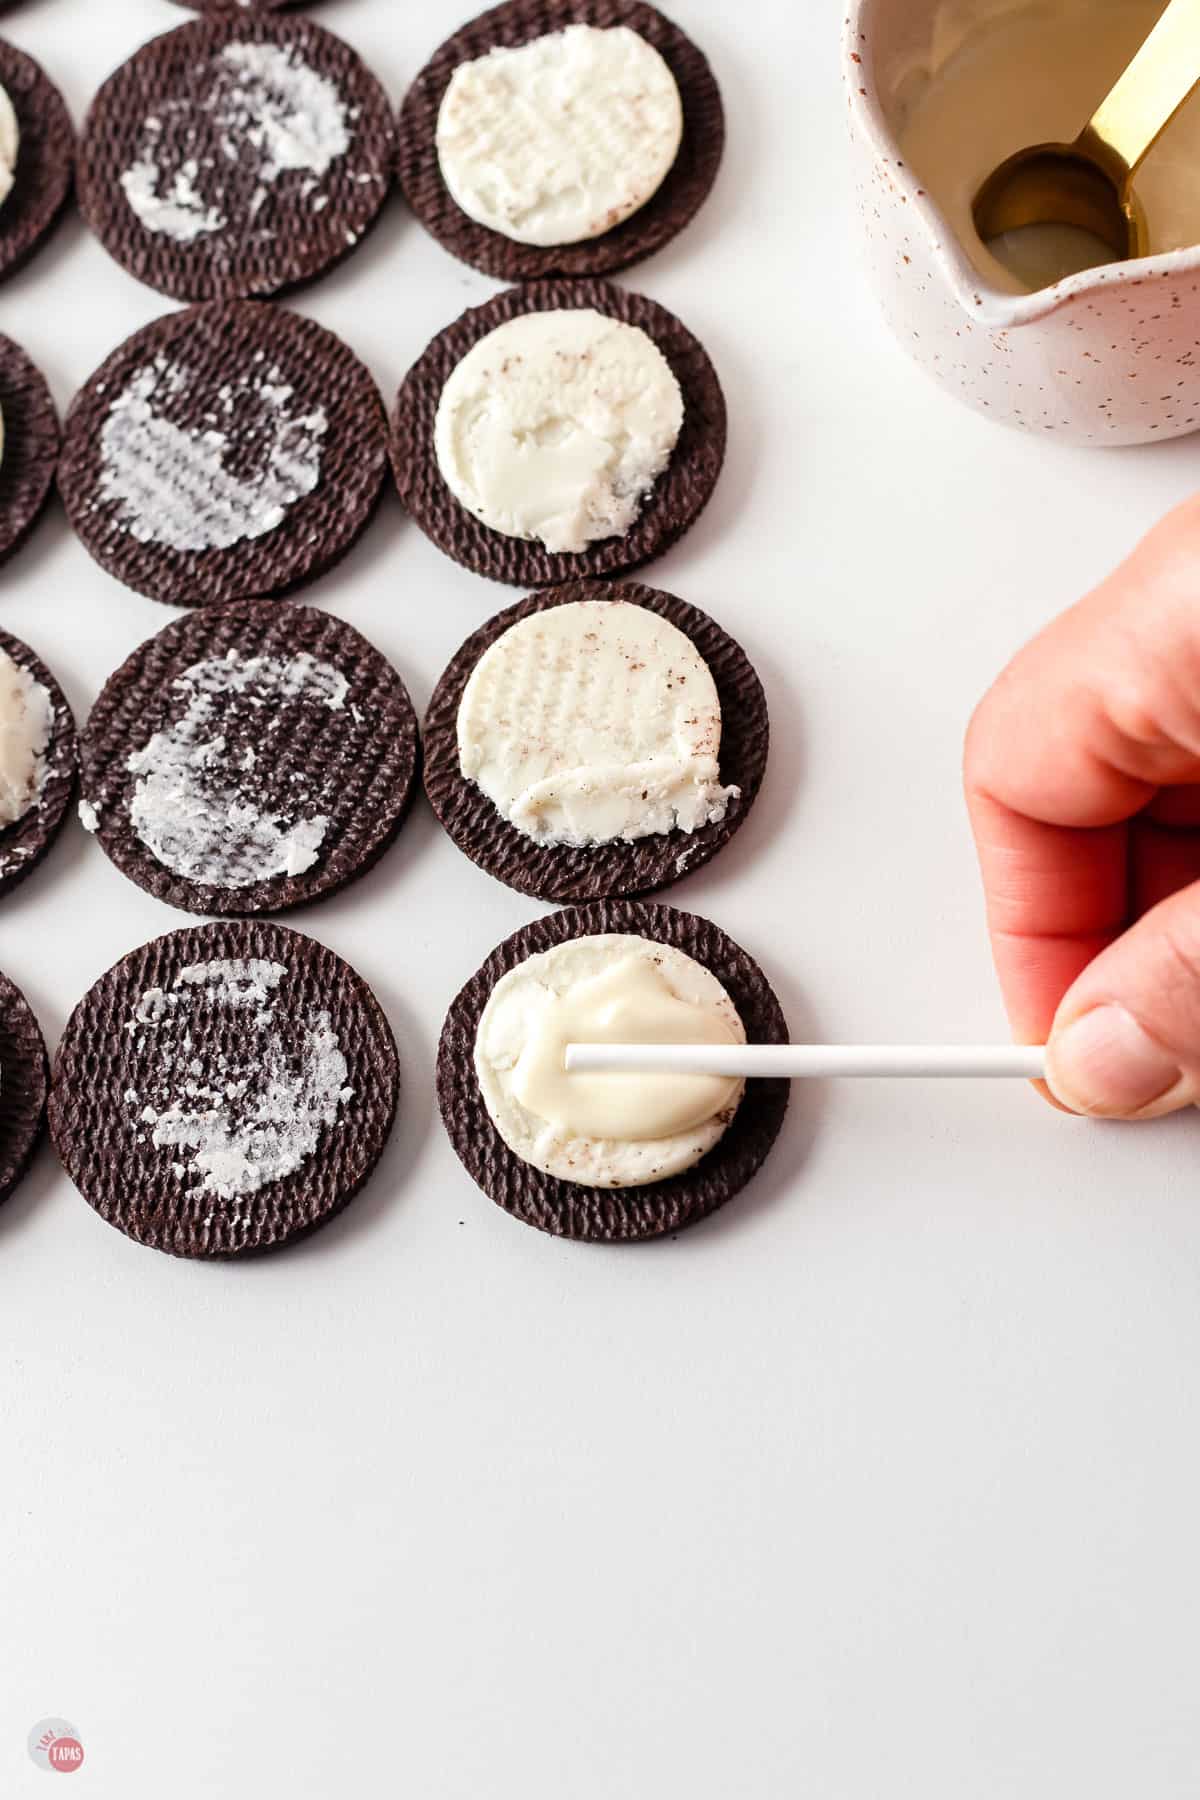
(1053, 359)
(1088, 185)
(1060, 184)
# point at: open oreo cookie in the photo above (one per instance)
(248, 759)
(645, 231)
(675, 502)
(225, 451)
(24, 1079)
(612, 1215)
(224, 1089)
(31, 444)
(569, 873)
(45, 164)
(237, 155)
(24, 842)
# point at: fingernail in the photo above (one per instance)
(1105, 1064)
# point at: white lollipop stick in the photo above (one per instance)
(1022, 1062)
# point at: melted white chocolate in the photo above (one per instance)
(631, 1003)
(604, 1130)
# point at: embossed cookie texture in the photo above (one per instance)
(24, 1080)
(561, 137)
(29, 446)
(223, 452)
(37, 157)
(596, 740)
(224, 1090)
(238, 155)
(248, 759)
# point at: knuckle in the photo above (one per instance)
(978, 744)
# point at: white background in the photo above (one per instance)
(886, 1480)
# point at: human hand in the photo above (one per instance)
(1082, 773)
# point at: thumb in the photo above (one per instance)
(1125, 1043)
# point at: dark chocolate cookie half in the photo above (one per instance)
(563, 872)
(236, 156)
(664, 215)
(24, 843)
(225, 451)
(45, 166)
(24, 1078)
(224, 1089)
(679, 496)
(31, 443)
(612, 1215)
(249, 758)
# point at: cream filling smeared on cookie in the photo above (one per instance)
(262, 100)
(241, 1100)
(605, 1130)
(26, 722)
(10, 144)
(198, 805)
(172, 483)
(556, 426)
(559, 139)
(593, 722)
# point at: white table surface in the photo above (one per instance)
(886, 1480)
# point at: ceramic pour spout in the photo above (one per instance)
(1105, 357)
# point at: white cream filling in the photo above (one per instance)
(171, 483)
(250, 1111)
(559, 139)
(26, 724)
(265, 103)
(605, 1130)
(556, 426)
(593, 722)
(197, 808)
(10, 144)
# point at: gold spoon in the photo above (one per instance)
(1089, 184)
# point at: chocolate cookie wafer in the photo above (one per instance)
(237, 155)
(24, 1079)
(670, 506)
(38, 760)
(671, 207)
(30, 446)
(608, 1214)
(225, 451)
(248, 759)
(37, 155)
(574, 872)
(224, 1089)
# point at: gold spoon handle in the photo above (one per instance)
(1136, 112)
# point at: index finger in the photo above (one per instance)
(1077, 736)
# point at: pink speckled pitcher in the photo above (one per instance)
(1110, 356)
